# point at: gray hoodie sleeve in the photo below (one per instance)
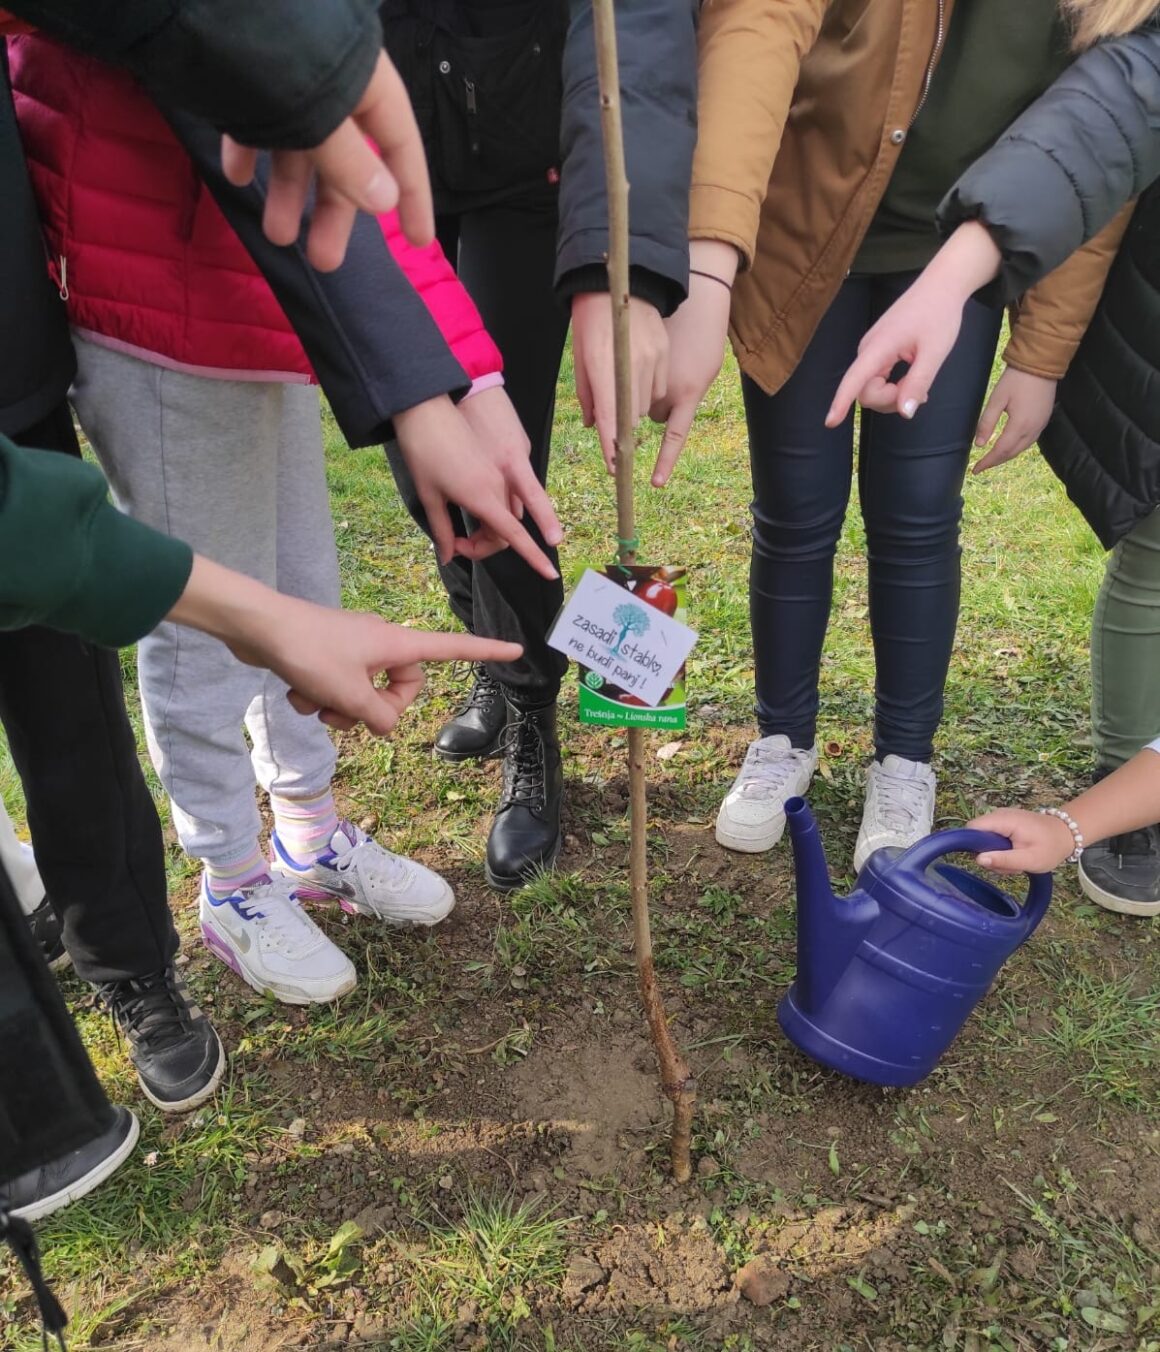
(1066, 166)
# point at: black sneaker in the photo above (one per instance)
(178, 1057)
(525, 836)
(1123, 873)
(45, 1190)
(476, 730)
(45, 929)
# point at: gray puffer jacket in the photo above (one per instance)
(1089, 145)
(1063, 169)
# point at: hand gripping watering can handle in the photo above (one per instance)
(964, 841)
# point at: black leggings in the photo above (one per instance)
(910, 476)
(506, 256)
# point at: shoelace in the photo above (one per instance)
(485, 689)
(1142, 841)
(274, 909)
(374, 863)
(21, 1239)
(150, 1006)
(898, 801)
(766, 772)
(523, 767)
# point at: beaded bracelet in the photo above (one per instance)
(1070, 823)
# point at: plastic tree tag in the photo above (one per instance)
(624, 627)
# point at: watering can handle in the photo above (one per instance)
(963, 841)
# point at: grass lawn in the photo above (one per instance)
(469, 1152)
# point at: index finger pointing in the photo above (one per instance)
(863, 369)
(508, 528)
(677, 430)
(425, 645)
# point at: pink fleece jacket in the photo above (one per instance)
(142, 254)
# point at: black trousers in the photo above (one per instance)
(910, 478)
(505, 255)
(93, 822)
(50, 1100)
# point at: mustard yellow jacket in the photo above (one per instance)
(803, 108)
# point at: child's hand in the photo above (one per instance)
(329, 658)
(595, 371)
(492, 417)
(347, 174)
(920, 328)
(1039, 843)
(698, 333)
(1028, 402)
(452, 467)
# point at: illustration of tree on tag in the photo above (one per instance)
(632, 620)
(603, 699)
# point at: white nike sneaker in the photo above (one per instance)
(366, 879)
(752, 817)
(899, 807)
(263, 933)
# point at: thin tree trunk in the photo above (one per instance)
(676, 1079)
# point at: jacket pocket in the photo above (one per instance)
(495, 106)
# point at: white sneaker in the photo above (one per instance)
(752, 817)
(899, 807)
(263, 933)
(369, 880)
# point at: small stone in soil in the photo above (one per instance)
(708, 1167)
(762, 1282)
(583, 1274)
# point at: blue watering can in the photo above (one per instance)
(888, 975)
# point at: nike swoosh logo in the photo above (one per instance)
(333, 882)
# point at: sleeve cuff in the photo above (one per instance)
(132, 579)
(488, 382)
(660, 292)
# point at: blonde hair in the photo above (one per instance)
(1092, 20)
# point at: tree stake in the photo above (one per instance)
(676, 1079)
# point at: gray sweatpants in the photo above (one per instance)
(234, 468)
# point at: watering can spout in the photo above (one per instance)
(830, 928)
(809, 859)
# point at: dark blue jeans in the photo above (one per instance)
(910, 477)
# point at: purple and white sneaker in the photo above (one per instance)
(262, 932)
(368, 880)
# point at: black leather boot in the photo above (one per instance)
(476, 731)
(525, 836)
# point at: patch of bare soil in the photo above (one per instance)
(602, 1094)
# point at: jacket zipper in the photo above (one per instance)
(58, 272)
(930, 65)
(472, 112)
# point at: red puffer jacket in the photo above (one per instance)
(140, 250)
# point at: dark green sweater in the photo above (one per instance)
(998, 57)
(70, 560)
